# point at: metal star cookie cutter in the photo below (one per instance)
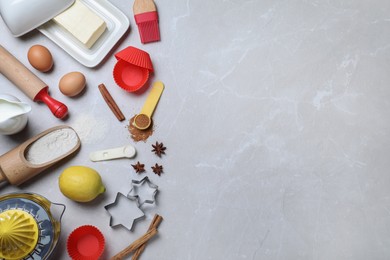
(124, 211)
(144, 191)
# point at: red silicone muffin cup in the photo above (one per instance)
(136, 57)
(129, 76)
(85, 243)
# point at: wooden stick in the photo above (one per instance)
(153, 225)
(136, 244)
(111, 102)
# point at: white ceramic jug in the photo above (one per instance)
(13, 114)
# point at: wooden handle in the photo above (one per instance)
(18, 74)
(143, 6)
(2, 177)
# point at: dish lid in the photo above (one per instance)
(22, 16)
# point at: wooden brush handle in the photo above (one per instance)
(144, 6)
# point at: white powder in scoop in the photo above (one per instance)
(52, 146)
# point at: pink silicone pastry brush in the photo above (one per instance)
(146, 17)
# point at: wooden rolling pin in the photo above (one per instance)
(29, 83)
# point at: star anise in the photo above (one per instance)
(157, 169)
(159, 149)
(139, 167)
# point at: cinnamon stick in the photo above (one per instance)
(111, 102)
(136, 244)
(153, 225)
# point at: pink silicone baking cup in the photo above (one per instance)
(136, 57)
(85, 243)
(129, 76)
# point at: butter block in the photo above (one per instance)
(82, 23)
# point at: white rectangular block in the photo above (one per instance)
(82, 23)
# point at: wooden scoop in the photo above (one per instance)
(16, 169)
(29, 83)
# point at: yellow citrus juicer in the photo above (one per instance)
(29, 226)
(143, 120)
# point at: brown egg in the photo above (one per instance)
(72, 84)
(40, 58)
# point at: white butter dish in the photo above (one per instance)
(117, 24)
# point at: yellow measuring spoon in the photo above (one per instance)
(143, 120)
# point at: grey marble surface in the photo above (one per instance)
(275, 115)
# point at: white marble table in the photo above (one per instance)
(275, 118)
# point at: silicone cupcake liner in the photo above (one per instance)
(85, 243)
(131, 72)
(136, 57)
(130, 77)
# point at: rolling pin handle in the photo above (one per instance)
(2, 176)
(58, 109)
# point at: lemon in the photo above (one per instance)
(80, 183)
